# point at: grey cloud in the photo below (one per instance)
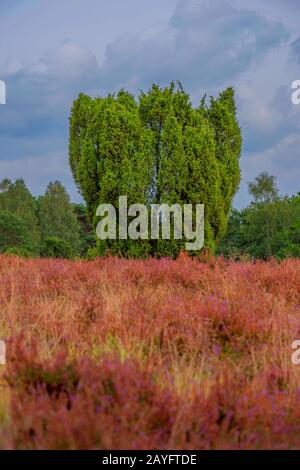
(34, 122)
(281, 160)
(207, 43)
(39, 97)
(265, 124)
(38, 170)
(295, 46)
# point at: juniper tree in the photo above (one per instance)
(157, 149)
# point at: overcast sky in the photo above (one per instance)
(50, 50)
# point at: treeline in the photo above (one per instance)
(48, 225)
(268, 228)
(51, 226)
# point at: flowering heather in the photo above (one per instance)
(155, 354)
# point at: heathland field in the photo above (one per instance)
(155, 354)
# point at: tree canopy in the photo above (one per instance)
(57, 216)
(157, 149)
(13, 232)
(268, 227)
(16, 199)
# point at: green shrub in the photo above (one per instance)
(92, 253)
(18, 251)
(54, 247)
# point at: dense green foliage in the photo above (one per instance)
(16, 199)
(18, 251)
(26, 223)
(269, 227)
(86, 232)
(13, 232)
(156, 149)
(54, 247)
(57, 217)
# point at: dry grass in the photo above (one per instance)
(208, 343)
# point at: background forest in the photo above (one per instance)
(51, 226)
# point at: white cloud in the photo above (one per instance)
(256, 112)
(70, 61)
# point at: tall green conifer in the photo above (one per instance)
(158, 149)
